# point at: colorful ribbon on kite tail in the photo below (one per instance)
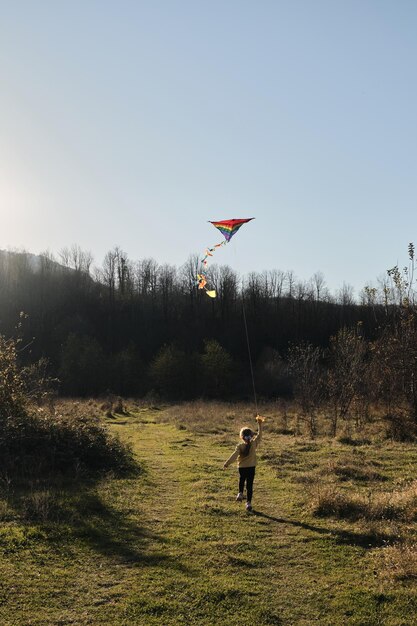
(228, 228)
(201, 277)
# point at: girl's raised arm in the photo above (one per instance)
(260, 421)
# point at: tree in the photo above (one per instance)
(345, 295)
(347, 360)
(83, 368)
(272, 374)
(304, 361)
(127, 373)
(217, 369)
(174, 373)
(319, 285)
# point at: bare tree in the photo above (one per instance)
(345, 295)
(319, 285)
(304, 362)
(188, 275)
(77, 259)
(108, 273)
(347, 356)
(166, 287)
(290, 280)
(276, 283)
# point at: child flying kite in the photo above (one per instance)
(245, 453)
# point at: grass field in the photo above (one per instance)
(331, 540)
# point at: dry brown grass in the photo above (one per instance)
(347, 469)
(399, 562)
(283, 416)
(398, 504)
(215, 418)
(78, 408)
(39, 505)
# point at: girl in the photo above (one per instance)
(245, 454)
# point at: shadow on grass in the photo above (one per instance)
(109, 531)
(362, 540)
(78, 514)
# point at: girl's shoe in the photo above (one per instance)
(239, 497)
(248, 506)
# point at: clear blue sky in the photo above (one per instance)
(133, 123)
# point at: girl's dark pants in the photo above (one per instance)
(246, 474)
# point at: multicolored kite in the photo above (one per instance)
(228, 228)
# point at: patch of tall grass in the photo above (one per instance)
(397, 505)
(399, 562)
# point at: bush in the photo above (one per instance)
(400, 427)
(39, 443)
(42, 444)
(330, 502)
(12, 385)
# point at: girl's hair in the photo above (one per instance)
(246, 434)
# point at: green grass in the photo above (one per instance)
(171, 546)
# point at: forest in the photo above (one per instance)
(136, 327)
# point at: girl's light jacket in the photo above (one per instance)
(250, 459)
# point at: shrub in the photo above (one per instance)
(400, 427)
(330, 502)
(12, 385)
(41, 443)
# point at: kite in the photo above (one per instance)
(228, 228)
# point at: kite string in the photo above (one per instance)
(249, 353)
(247, 340)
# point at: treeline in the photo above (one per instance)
(135, 327)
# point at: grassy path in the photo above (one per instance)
(274, 567)
(173, 547)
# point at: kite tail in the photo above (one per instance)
(201, 276)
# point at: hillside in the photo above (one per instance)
(101, 329)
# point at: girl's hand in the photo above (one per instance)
(224, 466)
(260, 419)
